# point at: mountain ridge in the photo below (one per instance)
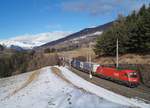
(80, 33)
(19, 42)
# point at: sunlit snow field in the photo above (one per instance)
(47, 90)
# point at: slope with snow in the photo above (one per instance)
(30, 41)
(25, 45)
(44, 89)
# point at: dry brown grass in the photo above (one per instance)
(124, 59)
(78, 52)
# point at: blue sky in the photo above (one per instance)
(20, 17)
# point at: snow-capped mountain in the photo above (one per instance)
(25, 45)
(29, 41)
(50, 39)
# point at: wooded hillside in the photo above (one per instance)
(15, 62)
(132, 32)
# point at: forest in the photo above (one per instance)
(132, 32)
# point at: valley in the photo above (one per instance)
(75, 54)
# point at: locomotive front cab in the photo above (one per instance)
(133, 78)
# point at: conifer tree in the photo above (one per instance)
(133, 33)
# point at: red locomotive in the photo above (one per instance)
(128, 77)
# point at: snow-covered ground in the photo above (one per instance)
(44, 89)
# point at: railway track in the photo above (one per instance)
(141, 92)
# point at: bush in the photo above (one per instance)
(48, 50)
(1, 47)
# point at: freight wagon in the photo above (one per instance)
(75, 64)
(85, 66)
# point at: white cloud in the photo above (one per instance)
(101, 7)
(94, 7)
(41, 37)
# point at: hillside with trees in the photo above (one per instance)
(14, 62)
(132, 32)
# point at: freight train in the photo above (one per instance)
(127, 77)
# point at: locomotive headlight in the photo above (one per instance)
(131, 73)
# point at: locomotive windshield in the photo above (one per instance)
(133, 75)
